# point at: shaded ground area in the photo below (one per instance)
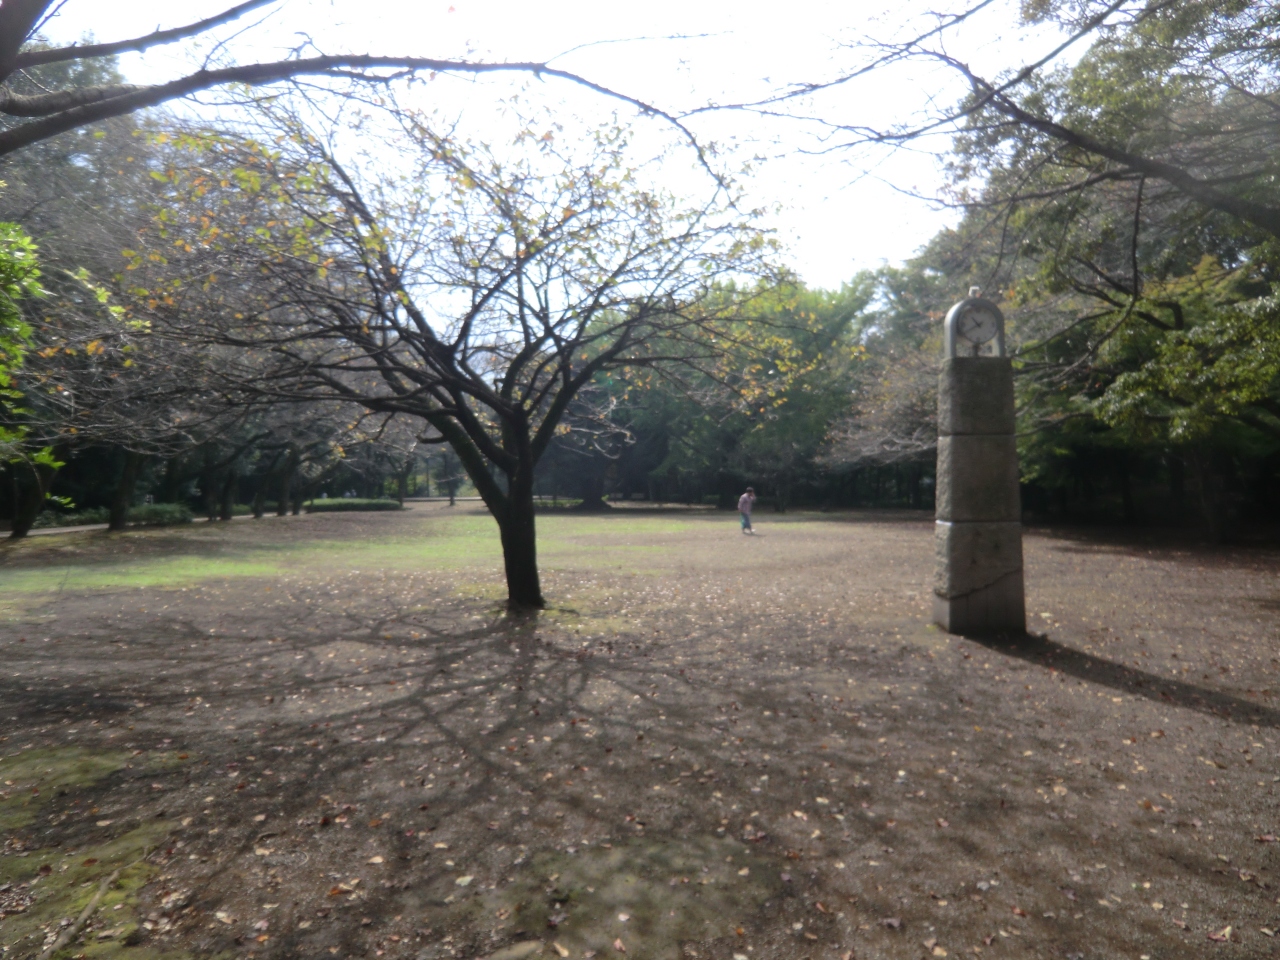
(319, 736)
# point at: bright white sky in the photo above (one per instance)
(836, 213)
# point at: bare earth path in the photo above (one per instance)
(321, 737)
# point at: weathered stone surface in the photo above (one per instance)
(973, 556)
(996, 609)
(978, 479)
(975, 396)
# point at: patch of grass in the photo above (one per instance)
(465, 540)
(144, 573)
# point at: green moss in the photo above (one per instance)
(32, 776)
(64, 881)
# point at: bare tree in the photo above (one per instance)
(478, 295)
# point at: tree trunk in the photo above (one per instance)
(1130, 511)
(30, 493)
(1177, 483)
(286, 484)
(1210, 489)
(209, 492)
(122, 499)
(591, 487)
(229, 494)
(520, 548)
(171, 481)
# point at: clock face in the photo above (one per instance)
(978, 324)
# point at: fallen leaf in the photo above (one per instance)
(374, 859)
(619, 946)
(1222, 936)
(744, 871)
(464, 881)
(624, 917)
(560, 950)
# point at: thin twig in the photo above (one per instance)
(73, 931)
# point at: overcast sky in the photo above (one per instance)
(838, 212)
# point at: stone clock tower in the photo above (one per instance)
(978, 586)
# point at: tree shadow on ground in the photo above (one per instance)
(400, 735)
(1171, 542)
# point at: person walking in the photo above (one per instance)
(745, 503)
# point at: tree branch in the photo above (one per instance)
(91, 108)
(35, 58)
(1259, 215)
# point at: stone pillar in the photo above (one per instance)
(978, 584)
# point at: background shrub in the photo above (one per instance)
(148, 515)
(51, 518)
(341, 504)
(160, 514)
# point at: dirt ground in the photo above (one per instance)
(321, 737)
